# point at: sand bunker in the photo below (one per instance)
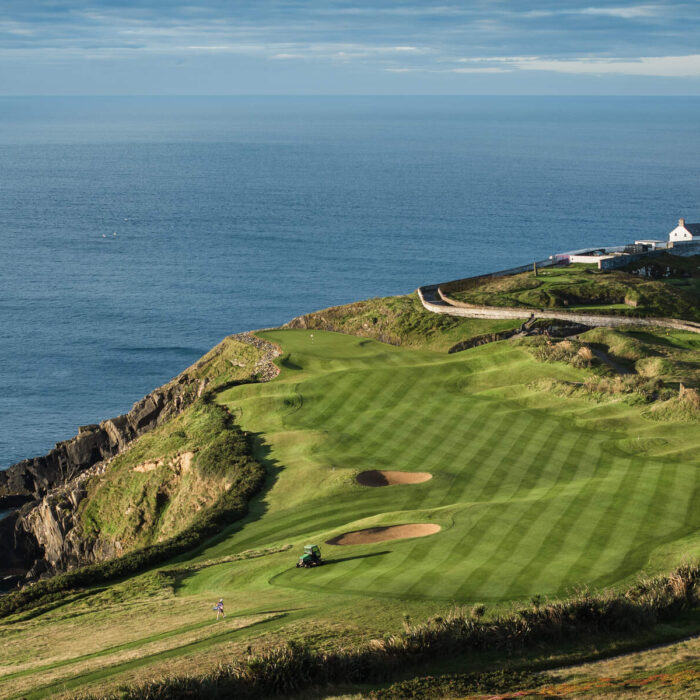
(382, 534)
(376, 477)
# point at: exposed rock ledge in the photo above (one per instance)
(37, 537)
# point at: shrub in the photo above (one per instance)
(572, 352)
(685, 407)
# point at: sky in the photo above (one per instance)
(114, 47)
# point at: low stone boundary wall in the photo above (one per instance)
(441, 305)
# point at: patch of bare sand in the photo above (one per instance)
(180, 463)
(377, 477)
(382, 534)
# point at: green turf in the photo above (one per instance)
(534, 494)
(671, 291)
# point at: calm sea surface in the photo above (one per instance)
(137, 232)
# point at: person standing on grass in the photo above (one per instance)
(219, 607)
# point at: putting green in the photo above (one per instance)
(534, 494)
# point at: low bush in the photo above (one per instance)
(684, 407)
(644, 387)
(570, 351)
(460, 684)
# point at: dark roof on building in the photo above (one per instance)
(693, 228)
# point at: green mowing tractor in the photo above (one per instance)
(310, 557)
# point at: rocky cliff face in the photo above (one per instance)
(41, 538)
(33, 478)
(46, 539)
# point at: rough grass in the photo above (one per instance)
(672, 356)
(135, 508)
(230, 361)
(294, 667)
(400, 320)
(628, 293)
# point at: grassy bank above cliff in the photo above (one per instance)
(157, 489)
(401, 320)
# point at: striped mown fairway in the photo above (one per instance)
(534, 494)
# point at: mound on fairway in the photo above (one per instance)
(382, 534)
(379, 477)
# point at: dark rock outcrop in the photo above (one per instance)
(33, 478)
(41, 537)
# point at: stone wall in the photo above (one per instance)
(685, 249)
(454, 308)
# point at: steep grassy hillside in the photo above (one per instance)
(535, 494)
(666, 287)
(156, 490)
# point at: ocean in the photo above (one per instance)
(138, 232)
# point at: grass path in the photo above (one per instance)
(73, 681)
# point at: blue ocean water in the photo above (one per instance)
(137, 232)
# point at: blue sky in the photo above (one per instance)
(348, 47)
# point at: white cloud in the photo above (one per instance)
(489, 69)
(629, 12)
(661, 66)
(655, 66)
(632, 12)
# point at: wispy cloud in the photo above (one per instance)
(660, 66)
(663, 66)
(630, 12)
(384, 36)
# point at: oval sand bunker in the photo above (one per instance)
(382, 534)
(376, 477)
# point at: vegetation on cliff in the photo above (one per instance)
(156, 514)
(400, 320)
(156, 489)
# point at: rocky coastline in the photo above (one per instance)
(39, 539)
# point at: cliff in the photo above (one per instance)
(46, 535)
(94, 443)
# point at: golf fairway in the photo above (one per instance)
(533, 493)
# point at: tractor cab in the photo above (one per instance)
(310, 557)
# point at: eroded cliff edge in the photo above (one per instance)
(41, 537)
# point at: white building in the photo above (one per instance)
(685, 232)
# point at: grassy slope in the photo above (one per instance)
(137, 508)
(582, 287)
(535, 494)
(401, 321)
